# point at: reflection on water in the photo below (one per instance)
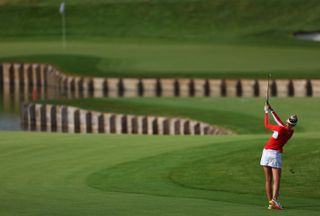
(9, 121)
(11, 98)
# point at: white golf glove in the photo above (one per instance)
(266, 108)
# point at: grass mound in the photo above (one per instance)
(221, 171)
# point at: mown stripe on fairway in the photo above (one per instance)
(228, 172)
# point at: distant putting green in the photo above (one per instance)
(164, 38)
(160, 59)
(59, 174)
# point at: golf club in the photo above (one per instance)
(268, 89)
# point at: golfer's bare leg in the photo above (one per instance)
(276, 173)
(268, 175)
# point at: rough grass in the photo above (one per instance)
(204, 20)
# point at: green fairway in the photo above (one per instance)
(132, 59)
(55, 174)
(226, 169)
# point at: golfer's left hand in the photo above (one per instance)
(267, 108)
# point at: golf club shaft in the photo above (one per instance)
(268, 89)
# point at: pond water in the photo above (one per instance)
(12, 98)
(9, 121)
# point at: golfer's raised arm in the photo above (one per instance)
(276, 118)
(266, 119)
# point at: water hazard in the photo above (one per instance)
(12, 97)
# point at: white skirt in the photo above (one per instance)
(271, 158)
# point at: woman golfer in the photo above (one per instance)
(271, 156)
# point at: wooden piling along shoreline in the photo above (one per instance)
(27, 75)
(52, 118)
(23, 78)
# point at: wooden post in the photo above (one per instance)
(282, 88)
(149, 87)
(215, 87)
(247, 87)
(315, 87)
(199, 87)
(113, 87)
(167, 86)
(98, 87)
(184, 87)
(131, 87)
(231, 89)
